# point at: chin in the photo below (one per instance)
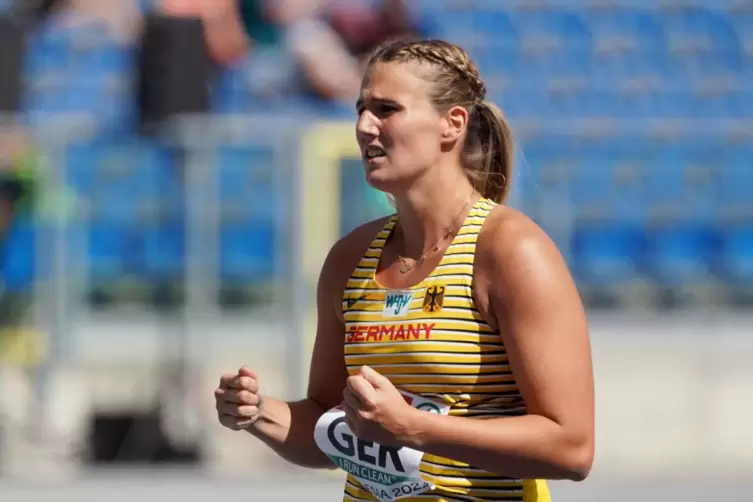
(387, 183)
(388, 178)
(379, 180)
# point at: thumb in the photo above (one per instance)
(373, 377)
(244, 371)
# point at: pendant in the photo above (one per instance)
(404, 268)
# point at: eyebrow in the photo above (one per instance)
(385, 101)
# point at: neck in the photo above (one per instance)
(430, 208)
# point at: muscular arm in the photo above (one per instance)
(524, 285)
(288, 427)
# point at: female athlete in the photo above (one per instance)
(452, 357)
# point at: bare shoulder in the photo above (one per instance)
(348, 250)
(344, 256)
(509, 234)
(514, 253)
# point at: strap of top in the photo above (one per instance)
(475, 218)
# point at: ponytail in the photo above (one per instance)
(489, 152)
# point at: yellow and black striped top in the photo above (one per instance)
(437, 346)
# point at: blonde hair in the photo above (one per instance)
(487, 155)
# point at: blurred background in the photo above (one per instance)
(172, 174)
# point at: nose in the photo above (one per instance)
(367, 128)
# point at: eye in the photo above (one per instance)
(379, 109)
(385, 110)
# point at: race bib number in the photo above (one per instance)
(387, 472)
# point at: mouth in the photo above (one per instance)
(373, 154)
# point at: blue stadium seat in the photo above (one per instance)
(681, 195)
(740, 103)
(742, 23)
(30, 249)
(80, 166)
(550, 163)
(247, 188)
(525, 99)
(109, 246)
(692, 27)
(45, 54)
(18, 259)
(701, 42)
(626, 42)
(162, 251)
(607, 191)
(231, 93)
(130, 187)
(247, 252)
(735, 216)
(552, 64)
(134, 182)
(636, 102)
(737, 255)
(474, 28)
(497, 62)
(624, 29)
(250, 211)
(553, 41)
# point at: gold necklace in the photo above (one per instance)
(405, 267)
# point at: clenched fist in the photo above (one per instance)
(238, 399)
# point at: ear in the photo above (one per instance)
(456, 121)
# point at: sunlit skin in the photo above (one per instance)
(421, 168)
(521, 287)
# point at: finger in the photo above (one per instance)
(234, 410)
(351, 417)
(226, 379)
(247, 411)
(245, 383)
(362, 390)
(224, 408)
(244, 371)
(376, 379)
(242, 397)
(351, 399)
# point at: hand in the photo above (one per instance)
(374, 408)
(238, 400)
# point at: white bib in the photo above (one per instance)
(387, 472)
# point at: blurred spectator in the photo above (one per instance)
(119, 18)
(17, 168)
(289, 49)
(317, 46)
(363, 26)
(223, 30)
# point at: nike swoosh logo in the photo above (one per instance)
(352, 301)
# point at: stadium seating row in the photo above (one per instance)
(626, 207)
(674, 213)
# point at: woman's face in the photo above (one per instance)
(399, 130)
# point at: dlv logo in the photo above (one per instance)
(398, 303)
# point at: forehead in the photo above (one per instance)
(401, 82)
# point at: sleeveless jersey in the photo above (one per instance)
(430, 340)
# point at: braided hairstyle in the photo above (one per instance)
(487, 155)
